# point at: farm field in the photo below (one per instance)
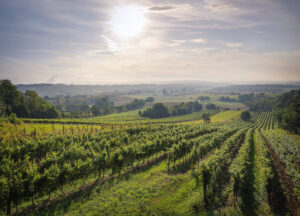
(130, 117)
(213, 98)
(227, 167)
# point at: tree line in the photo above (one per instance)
(100, 107)
(25, 105)
(159, 110)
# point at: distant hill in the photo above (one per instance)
(53, 90)
(259, 88)
(184, 87)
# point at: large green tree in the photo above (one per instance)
(157, 111)
(28, 104)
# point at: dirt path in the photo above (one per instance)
(292, 202)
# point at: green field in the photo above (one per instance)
(214, 98)
(184, 168)
(129, 117)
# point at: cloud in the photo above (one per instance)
(198, 40)
(194, 39)
(234, 45)
(162, 8)
(220, 7)
(111, 45)
(176, 43)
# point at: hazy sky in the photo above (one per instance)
(107, 41)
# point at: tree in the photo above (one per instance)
(9, 95)
(197, 107)
(28, 104)
(95, 110)
(245, 115)
(104, 102)
(206, 117)
(288, 117)
(246, 97)
(203, 98)
(84, 107)
(149, 99)
(227, 99)
(157, 111)
(135, 104)
(52, 112)
(211, 106)
(2, 108)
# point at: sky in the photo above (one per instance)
(149, 41)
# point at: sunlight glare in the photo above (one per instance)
(127, 21)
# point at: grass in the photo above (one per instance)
(31, 130)
(148, 192)
(225, 116)
(261, 173)
(192, 97)
(130, 117)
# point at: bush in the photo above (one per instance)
(211, 106)
(245, 115)
(206, 117)
(13, 119)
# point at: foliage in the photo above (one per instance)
(245, 115)
(160, 111)
(98, 107)
(262, 171)
(211, 106)
(36, 164)
(203, 98)
(27, 104)
(157, 111)
(239, 167)
(53, 162)
(285, 106)
(227, 99)
(212, 169)
(288, 151)
(206, 117)
(12, 118)
(289, 116)
(185, 108)
(149, 99)
(135, 104)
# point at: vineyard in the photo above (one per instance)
(139, 167)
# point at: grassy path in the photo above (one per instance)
(87, 188)
(132, 195)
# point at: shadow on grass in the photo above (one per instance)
(276, 198)
(248, 199)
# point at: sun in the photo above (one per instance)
(127, 21)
